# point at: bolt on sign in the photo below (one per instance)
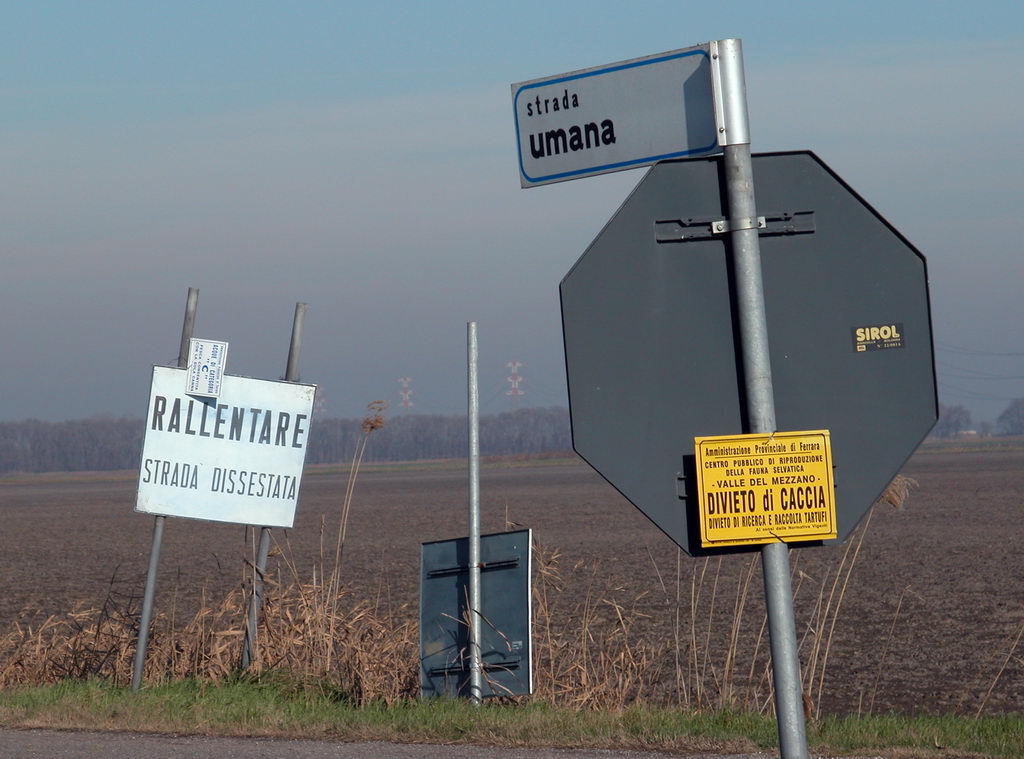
(236, 458)
(765, 488)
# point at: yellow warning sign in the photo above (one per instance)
(765, 488)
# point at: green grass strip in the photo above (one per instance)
(255, 708)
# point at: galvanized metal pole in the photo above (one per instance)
(757, 371)
(263, 551)
(147, 602)
(256, 600)
(291, 373)
(475, 674)
(187, 328)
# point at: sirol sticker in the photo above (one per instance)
(877, 337)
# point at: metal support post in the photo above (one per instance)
(188, 326)
(475, 674)
(147, 602)
(733, 125)
(263, 551)
(291, 372)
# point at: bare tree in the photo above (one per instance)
(1011, 421)
(952, 420)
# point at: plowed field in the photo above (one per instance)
(928, 619)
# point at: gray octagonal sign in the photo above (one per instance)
(652, 352)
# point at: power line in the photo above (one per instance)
(559, 397)
(973, 351)
(978, 373)
(971, 394)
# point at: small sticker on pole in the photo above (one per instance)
(765, 488)
(206, 362)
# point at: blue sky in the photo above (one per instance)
(361, 158)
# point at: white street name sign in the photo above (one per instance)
(615, 117)
(236, 458)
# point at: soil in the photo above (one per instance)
(928, 619)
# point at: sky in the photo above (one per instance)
(361, 158)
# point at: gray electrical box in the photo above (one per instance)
(505, 648)
(652, 347)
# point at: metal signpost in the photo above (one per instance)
(234, 456)
(474, 612)
(463, 650)
(731, 108)
(667, 341)
(139, 663)
(263, 552)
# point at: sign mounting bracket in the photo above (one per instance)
(709, 227)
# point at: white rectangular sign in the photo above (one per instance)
(615, 117)
(206, 362)
(236, 458)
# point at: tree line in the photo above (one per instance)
(955, 420)
(106, 443)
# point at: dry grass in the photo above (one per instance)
(592, 657)
(352, 651)
(315, 633)
(591, 653)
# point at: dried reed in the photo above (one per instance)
(591, 646)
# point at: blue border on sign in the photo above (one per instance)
(607, 166)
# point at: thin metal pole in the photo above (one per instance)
(188, 325)
(147, 602)
(760, 400)
(256, 600)
(291, 374)
(475, 675)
